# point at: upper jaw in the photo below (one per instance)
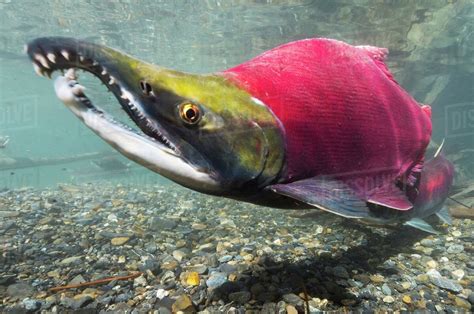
(57, 53)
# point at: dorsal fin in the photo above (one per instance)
(379, 55)
(376, 53)
(427, 110)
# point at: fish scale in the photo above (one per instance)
(355, 109)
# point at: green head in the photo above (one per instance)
(216, 137)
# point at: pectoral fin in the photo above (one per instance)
(390, 196)
(327, 194)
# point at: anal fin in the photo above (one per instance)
(421, 225)
(444, 215)
(390, 196)
(326, 194)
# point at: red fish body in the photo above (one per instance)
(342, 113)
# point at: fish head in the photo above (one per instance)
(200, 131)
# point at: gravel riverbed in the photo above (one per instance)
(197, 253)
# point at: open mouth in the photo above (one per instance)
(151, 146)
(47, 60)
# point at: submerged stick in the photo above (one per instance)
(95, 282)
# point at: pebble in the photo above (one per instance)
(183, 303)
(462, 303)
(292, 298)
(386, 289)
(71, 260)
(77, 280)
(456, 233)
(290, 309)
(160, 224)
(432, 264)
(216, 280)
(20, 290)
(179, 255)
(446, 284)
(192, 279)
(406, 299)
(340, 272)
(161, 293)
(119, 241)
(458, 274)
(31, 304)
(377, 278)
(240, 297)
(221, 268)
(455, 248)
(471, 298)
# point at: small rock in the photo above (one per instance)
(460, 302)
(240, 297)
(388, 299)
(471, 298)
(216, 280)
(422, 278)
(200, 269)
(183, 303)
(455, 249)
(377, 278)
(406, 299)
(20, 290)
(192, 279)
(427, 242)
(77, 280)
(71, 260)
(431, 264)
(340, 272)
(386, 289)
(119, 241)
(179, 255)
(159, 224)
(458, 274)
(198, 226)
(446, 284)
(31, 304)
(161, 293)
(456, 233)
(290, 309)
(292, 298)
(140, 281)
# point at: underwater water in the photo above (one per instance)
(73, 210)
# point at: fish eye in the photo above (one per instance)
(189, 113)
(146, 87)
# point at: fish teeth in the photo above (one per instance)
(81, 58)
(78, 90)
(111, 81)
(71, 74)
(38, 69)
(42, 60)
(104, 71)
(51, 57)
(65, 54)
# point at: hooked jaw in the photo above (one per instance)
(154, 147)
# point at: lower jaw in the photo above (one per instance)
(138, 147)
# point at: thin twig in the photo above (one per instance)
(95, 282)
